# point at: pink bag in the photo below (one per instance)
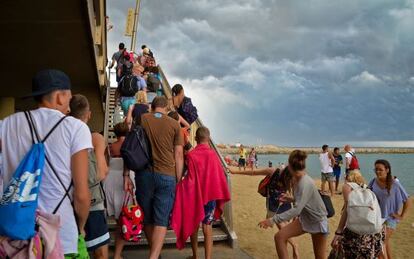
(131, 219)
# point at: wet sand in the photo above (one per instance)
(249, 208)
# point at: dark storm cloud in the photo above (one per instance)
(287, 72)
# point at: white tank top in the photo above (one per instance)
(326, 166)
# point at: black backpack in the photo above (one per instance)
(136, 150)
(188, 111)
(128, 85)
(153, 83)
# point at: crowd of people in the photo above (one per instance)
(84, 180)
(66, 180)
(369, 217)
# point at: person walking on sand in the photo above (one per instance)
(337, 167)
(280, 182)
(242, 158)
(392, 198)
(200, 196)
(327, 161)
(352, 244)
(309, 213)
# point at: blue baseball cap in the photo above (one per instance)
(48, 80)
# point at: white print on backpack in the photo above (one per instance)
(30, 180)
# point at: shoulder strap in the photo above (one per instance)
(33, 130)
(352, 154)
(354, 186)
(33, 127)
(371, 183)
(30, 126)
(120, 56)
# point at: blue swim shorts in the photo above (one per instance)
(155, 194)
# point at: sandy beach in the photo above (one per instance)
(249, 208)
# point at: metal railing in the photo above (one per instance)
(227, 217)
(107, 96)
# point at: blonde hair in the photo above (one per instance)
(137, 69)
(141, 97)
(355, 176)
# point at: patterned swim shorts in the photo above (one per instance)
(209, 209)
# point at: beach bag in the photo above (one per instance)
(136, 150)
(128, 85)
(328, 204)
(131, 219)
(354, 164)
(363, 210)
(19, 201)
(188, 111)
(263, 185)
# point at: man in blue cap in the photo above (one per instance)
(66, 149)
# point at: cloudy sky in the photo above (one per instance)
(293, 73)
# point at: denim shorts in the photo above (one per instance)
(391, 223)
(155, 194)
(330, 177)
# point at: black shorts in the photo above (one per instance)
(242, 162)
(96, 229)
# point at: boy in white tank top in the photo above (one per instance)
(327, 161)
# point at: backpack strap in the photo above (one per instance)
(33, 130)
(354, 186)
(371, 183)
(352, 154)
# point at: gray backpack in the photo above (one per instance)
(95, 186)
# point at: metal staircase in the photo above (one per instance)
(222, 229)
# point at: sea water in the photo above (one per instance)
(402, 166)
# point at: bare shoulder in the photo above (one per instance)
(97, 138)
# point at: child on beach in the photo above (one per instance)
(354, 245)
(392, 197)
(280, 183)
(309, 211)
(200, 196)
